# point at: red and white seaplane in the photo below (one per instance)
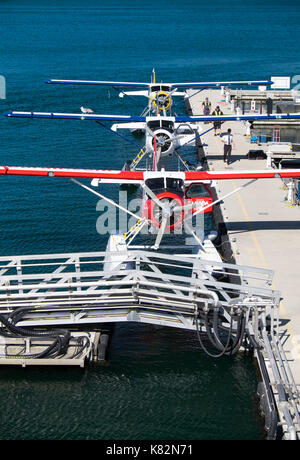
(170, 200)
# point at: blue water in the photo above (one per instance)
(159, 385)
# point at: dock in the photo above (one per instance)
(262, 229)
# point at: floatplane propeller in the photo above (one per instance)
(160, 95)
(167, 201)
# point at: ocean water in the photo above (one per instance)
(159, 384)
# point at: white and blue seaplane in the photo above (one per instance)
(164, 135)
(160, 95)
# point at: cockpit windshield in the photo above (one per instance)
(161, 183)
(155, 124)
(165, 124)
(160, 88)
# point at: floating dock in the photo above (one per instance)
(262, 228)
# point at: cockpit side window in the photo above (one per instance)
(175, 184)
(169, 125)
(197, 190)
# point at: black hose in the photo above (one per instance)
(210, 335)
(83, 342)
(201, 343)
(240, 335)
(215, 338)
(216, 327)
(207, 326)
(58, 347)
(234, 347)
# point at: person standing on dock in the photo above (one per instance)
(228, 143)
(217, 124)
(206, 106)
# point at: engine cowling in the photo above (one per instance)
(153, 211)
(162, 101)
(163, 141)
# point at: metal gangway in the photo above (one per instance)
(230, 307)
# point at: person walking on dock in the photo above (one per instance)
(228, 143)
(206, 106)
(217, 124)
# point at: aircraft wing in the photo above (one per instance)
(97, 82)
(138, 176)
(74, 116)
(129, 118)
(134, 177)
(198, 176)
(146, 85)
(211, 118)
(200, 84)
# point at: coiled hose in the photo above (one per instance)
(214, 338)
(58, 347)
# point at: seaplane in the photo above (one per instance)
(160, 95)
(170, 200)
(165, 135)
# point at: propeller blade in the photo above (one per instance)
(172, 92)
(149, 131)
(158, 153)
(176, 138)
(185, 207)
(161, 232)
(153, 196)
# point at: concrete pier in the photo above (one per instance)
(263, 229)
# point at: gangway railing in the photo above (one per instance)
(212, 298)
(79, 281)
